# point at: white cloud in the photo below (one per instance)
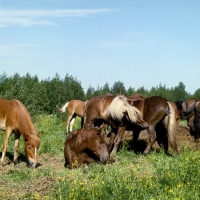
(38, 17)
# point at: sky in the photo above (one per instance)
(141, 43)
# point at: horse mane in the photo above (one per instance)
(33, 134)
(119, 106)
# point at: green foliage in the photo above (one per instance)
(197, 94)
(46, 95)
(118, 88)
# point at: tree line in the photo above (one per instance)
(44, 96)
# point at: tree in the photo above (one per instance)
(131, 91)
(197, 94)
(90, 92)
(142, 91)
(118, 88)
(179, 92)
(106, 89)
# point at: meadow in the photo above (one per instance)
(131, 176)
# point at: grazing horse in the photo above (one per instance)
(115, 111)
(84, 146)
(75, 108)
(188, 112)
(191, 113)
(15, 118)
(161, 116)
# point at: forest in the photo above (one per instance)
(44, 96)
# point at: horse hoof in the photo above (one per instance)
(15, 163)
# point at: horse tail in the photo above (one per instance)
(64, 107)
(119, 106)
(171, 126)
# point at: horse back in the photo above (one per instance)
(95, 108)
(155, 108)
(9, 114)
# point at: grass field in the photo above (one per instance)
(131, 176)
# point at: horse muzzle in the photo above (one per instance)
(144, 125)
(104, 158)
(32, 163)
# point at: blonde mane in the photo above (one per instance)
(119, 106)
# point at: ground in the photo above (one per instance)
(50, 164)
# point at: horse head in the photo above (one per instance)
(97, 144)
(32, 144)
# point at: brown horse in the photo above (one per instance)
(75, 108)
(197, 120)
(188, 112)
(161, 116)
(115, 111)
(191, 113)
(159, 113)
(84, 146)
(15, 118)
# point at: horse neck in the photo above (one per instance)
(188, 107)
(79, 140)
(26, 126)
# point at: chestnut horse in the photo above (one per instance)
(84, 146)
(161, 116)
(115, 111)
(15, 118)
(75, 108)
(157, 112)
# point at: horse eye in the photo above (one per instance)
(29, 147)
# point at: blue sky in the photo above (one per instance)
(138, 42)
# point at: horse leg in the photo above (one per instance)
(82, 122)
(5, 145)
(84, 159)
(72, 123)
(136, 133)
(118, 139)
(67, 123)
(112, 138)
(16, 148)
(152, 138)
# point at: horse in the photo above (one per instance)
(157, 112)
(197, 120)
(191, 113)
(75, 108)
(161, 116)
(188, 112)
(115, 111)
(15, 118)
(84, 146)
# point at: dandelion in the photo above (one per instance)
(171, 191)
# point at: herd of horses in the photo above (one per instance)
(120, 113)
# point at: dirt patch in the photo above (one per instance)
(184, 139)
